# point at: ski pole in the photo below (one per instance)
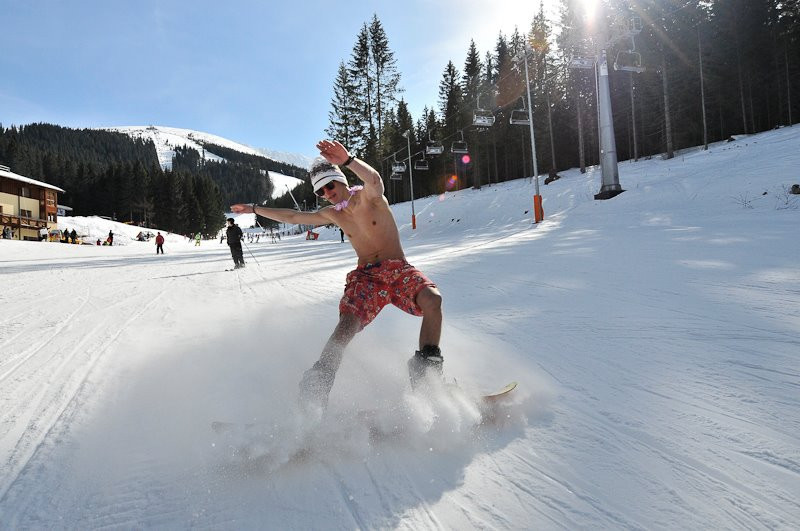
(251, 252)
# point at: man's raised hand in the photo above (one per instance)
(333, 151)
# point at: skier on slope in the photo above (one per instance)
(234, 236)
(383, 276)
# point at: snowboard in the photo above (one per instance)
(488, 403)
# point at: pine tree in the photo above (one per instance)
(544, 73)
(361, 76)
(385, 74)
(344, 124)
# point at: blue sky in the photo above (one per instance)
(250, 71)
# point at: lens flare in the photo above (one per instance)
(465, 159)
(451, 182)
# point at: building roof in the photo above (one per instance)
(7, 173)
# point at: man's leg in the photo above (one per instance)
(429, 357)
(430, 302)
(317, 382)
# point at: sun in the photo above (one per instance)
(588, 7)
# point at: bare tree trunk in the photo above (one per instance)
(633, 121)
(702, 90)
(777, 59)
(667, 121)
(750, 97)
(581, 149)
(788, 83)
(524, 153)
(552, 141)
(494, 149)
(741, 86)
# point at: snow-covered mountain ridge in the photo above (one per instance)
(167, 138)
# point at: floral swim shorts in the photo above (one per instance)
(371, 287)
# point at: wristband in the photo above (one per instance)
(348, 161)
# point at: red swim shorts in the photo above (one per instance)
(371, 287)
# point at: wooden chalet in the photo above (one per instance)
(26, 205)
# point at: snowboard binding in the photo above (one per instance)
(429, 360)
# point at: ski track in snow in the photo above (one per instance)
(654, 336)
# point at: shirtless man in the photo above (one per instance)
(382, 277)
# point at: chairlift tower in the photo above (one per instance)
(608, 147)
(407, 134)
(538, 211)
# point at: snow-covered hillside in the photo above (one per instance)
(654, 337)
(167, 138)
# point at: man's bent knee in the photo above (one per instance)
(429, 300)
(349, 325)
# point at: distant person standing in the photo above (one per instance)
(197, 240)
(110, 239)
(234, 236)
(74, 236)
(341, 233)
(159, 244)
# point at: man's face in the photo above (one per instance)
(332, 192)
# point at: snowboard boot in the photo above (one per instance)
(429, 360)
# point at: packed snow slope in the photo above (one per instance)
(655, 337)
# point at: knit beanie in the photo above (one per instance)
(322, 172)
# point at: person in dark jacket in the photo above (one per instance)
(74, 236)
(234, 236)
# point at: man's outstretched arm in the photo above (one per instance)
(335, 153)
(284, 215)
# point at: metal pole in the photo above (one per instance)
(407, 134)
(538, 212)
(292, 196)
(608, 145)
(530, 124)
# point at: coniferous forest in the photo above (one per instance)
(681, 72)
(111, 174)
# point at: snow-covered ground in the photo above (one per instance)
(655, 337)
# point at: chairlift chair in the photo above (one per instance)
(399, 167)
(434, 147)
(482, 117)
(421, 164)
(636, 25)
(396, 177)
(628, 61)
(519, 116)
(459, 146)
(483, 120)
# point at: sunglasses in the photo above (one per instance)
(329, 187)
